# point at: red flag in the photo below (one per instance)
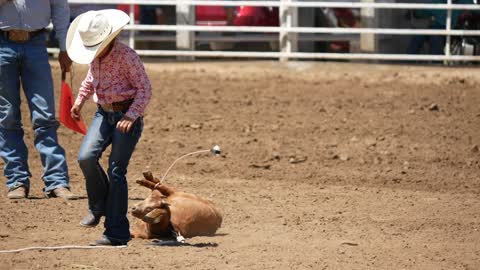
(66, 103)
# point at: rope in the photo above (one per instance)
(59, 247)
(171, 166)
(215, 151)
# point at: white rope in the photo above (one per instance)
(171, 166)
(59, 247)
(215, 150)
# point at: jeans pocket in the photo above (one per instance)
(137, 128)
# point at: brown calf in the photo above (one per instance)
(166, 209)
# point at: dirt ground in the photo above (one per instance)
(324, 166)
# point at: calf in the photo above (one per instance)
(167, 211)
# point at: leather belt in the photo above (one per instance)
(20, 36)
(116, 106)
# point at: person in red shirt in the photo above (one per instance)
(120, 86)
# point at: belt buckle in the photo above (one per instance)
(19, 36)
(108, 107)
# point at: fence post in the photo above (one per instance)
(368, 42)
(288, 18)
(448, 27)
(131, 38)
(185, 39)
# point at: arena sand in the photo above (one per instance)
(325, 166)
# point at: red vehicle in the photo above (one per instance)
(211, 15)
(244, 16)
(239, 16)
(256, 16)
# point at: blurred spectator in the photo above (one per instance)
(334, 17)
(340, 17)
(470, 20)
(231, 10)
(437, 20)
(155, 14)
(151, 15)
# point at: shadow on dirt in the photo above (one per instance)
(174, 243)
(136, 199)
(44, 198)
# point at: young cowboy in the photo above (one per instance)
(120, 87)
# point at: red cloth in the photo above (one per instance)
(66, 103)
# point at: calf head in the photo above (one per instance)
(153, 210)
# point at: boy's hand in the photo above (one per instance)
(125, 124)
(75, 112)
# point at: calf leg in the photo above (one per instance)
(166, 191)
(139, 230)
(149, 176)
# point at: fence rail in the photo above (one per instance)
(331, 30)
(284, 3)
(288, 31)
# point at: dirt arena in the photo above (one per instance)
(324, 166)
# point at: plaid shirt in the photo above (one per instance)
(116, 77)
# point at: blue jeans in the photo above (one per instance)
(108, 192)
(436, 44)
(28, 63)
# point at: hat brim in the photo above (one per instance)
(82, 54)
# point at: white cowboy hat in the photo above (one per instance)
(92, 31)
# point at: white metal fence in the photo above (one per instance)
(288, 30)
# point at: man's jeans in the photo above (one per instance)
(436, 44)
(28, 63)
(108, 195)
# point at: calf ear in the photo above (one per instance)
(154, 216)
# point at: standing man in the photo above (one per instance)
(438, 20)
(24, 59)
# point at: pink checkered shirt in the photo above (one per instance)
(118, 76)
